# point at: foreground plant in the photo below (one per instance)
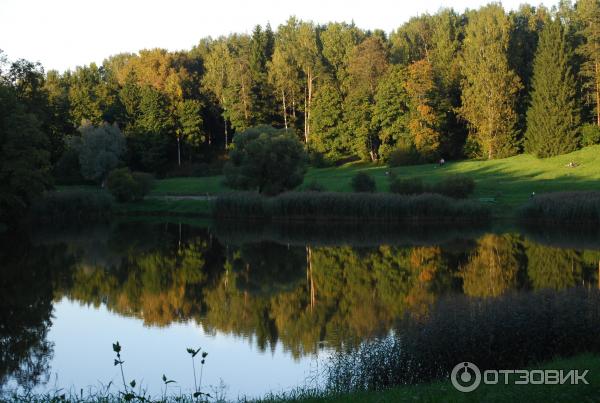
(198, 386)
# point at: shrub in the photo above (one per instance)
(362, 182)
(318, 160)
(67, 170)
(126, 186)
(267, 160)
(411, 186)
(403, 156)
(314, 187)
(72, 206)
(590, 134)
(459, 187)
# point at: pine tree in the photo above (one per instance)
(553, 116)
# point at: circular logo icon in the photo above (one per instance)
(465, 377)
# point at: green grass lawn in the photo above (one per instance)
(445, 392)
(509, 181)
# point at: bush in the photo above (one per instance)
(403, 156)
(411, 186)
(267, 160)
(318, 160)
(590, 134)
(314, 187)
(459, 187)
(126, 186)
(75, 205)
(67, 170)
(362, 182)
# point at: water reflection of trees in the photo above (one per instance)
(300, 296)
(28, 275)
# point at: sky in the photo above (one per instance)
(63, 34)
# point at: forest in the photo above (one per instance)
(481, 84)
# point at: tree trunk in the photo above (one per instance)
(596, 72)
(284, 109)
(226, 139)
(178, 152)
(310, 91)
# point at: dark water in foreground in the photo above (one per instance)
(268, 305)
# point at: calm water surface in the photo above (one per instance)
(268, 304)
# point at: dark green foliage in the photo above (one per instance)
(563, 208)
(455, 186)
(314, 187)
(267, 160)
(362, 182)
(72, 206)
(510, 331)
(126, 186)
(24, 161)
(411, 186)
(318, 160)
(326, 206)
(404, 155)
(553, 116)
(67, 170)
(590, 134)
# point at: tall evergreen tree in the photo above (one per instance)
(588, 14)
(489, 87)
(553, 116)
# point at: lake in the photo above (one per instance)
(269, 304)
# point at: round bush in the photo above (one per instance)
(362, 182)
(459, 187)
(126, 186)
(412, 186)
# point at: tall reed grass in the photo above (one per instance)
(72, 206)
(576, 208)
(328, 206)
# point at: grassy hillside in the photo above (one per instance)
(509, 181)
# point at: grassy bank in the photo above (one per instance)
(506, 183)
(445, 392)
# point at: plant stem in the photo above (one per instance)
(201, 370)
(195, 383)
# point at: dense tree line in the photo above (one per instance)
(476, 84)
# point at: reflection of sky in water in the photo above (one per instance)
(83, 355)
